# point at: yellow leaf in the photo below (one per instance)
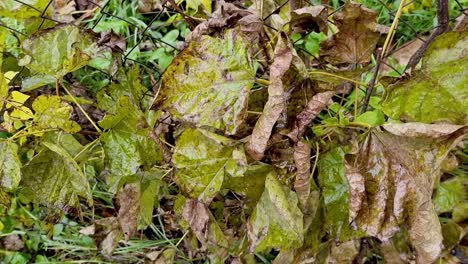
(22, 113)
(16, 99)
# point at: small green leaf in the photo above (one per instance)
(53, 178)
(372, 118)
(51, 112)
(203, 159)
(334, 185)
(450, 193)
(277, 220)
(10, 165)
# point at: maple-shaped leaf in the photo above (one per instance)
(437, 92)
(126, 142)
(357, 36)
(208, 83)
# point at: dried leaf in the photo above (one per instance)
(277, 219)
(203, 159)
(357, 37)
(275, 104)
(310, 19)
(128, 198)
(10, 165)
(204, 226)
(312, 109)
(344, 252)
(303, 176)
(436, 93)
(399, 174)
(208, 83)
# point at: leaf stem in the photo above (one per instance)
(82, 110)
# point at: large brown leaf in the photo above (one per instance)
(397, 173)
(357, 37)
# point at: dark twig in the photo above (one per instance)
(370, 86)
(443, 25)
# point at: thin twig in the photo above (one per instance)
(370, 86)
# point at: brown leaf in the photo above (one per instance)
(226, 16)
(356, 190)
(344, 253)
(302, 181)
(399, 174)
(106, 233)
(312, 109)
(275, 104)
(310, 18)
(13, 243)
(204, 227)
(357, 37)
(63, 10)
(129, 200)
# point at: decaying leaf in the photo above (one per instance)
(204, 227)
(128, 198)
(208, 83)
(277, 219)
(275, 104)
(310, 19)
(344, 253)
(303, 176)
(203, 159)
(436, 93)
(225, 16)
(56, 52)
(51, 112)
(357, 37)
(10, 165)
(312, 109)
(399, 175)
(53, 177)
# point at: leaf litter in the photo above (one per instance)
(222, 162)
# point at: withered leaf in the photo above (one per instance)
(205, 227)
(310, 18)
(275, 104)
(303, 177)
(128, 198)
(357, 37)
(312, 109)
(399, 174)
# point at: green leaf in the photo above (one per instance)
(18, 10)
(58, 51)
(334, 186)
(53, 178)
(371, 118)
(203, 159)
(51, 112)
(36, 81)
(126, 144)
(449, 194)
(208, 83)
(10, 165)
(129, 84)
(277, 220)
(437, 92)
